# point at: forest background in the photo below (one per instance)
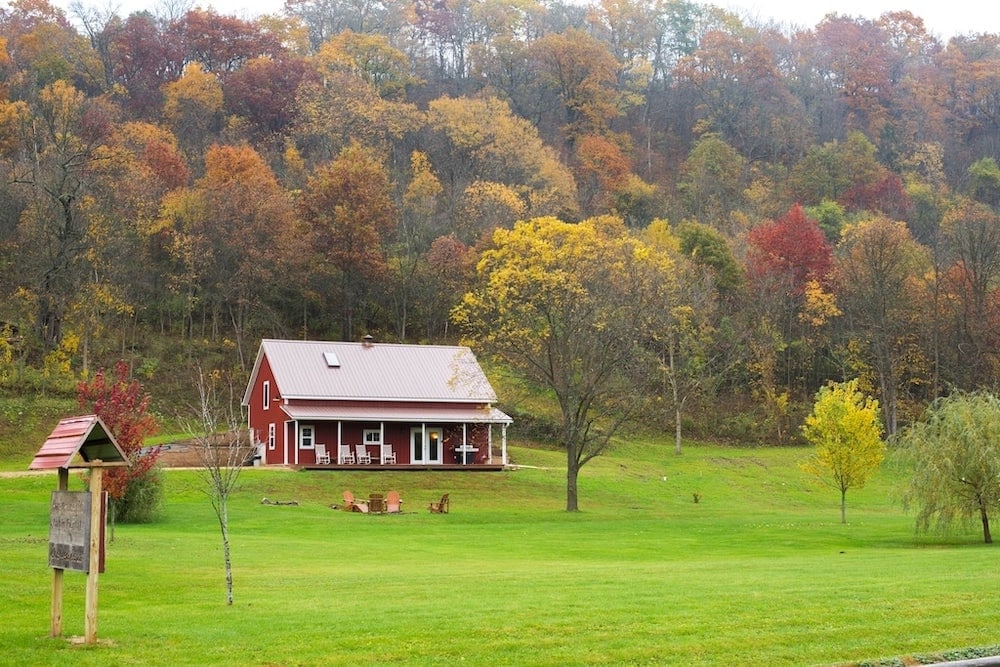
(176, 186)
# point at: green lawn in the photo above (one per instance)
(759, 572)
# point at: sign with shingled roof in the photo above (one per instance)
(84, 438)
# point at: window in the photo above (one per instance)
(307, 437)
(373, 436)
(267, 394)
(270, 436)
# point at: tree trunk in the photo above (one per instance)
(677, 402)
(572, 472)
(985, 517)
(843, 506)
(224, 526)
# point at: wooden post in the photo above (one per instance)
(55, 628)
(96, 496)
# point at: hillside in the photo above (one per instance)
(178, 186)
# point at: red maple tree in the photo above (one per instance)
(123, 406)
(792, 248)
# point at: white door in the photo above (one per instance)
(425, 445)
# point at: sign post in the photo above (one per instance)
(96, 547)
(77, 519)
(57, 572)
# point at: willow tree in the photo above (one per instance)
(568, 305)
(845, 428)
(955, 454)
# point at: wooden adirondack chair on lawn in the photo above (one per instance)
(352, 505)
(440, 507)
(392, 502)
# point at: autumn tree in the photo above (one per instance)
(222, 43)
(711, 181)
(681, 333)
(567, 305)
(481, 140)
(579, 74)
(348, 207)
(846, 431)
(880, 273)
(743, 97)
(971, 242)
(136, 489)
(782, 258)
(231, 234)
(370, 57)
(955, 452)
(263, 92)
(830, 170)
(144, 57)
(325, 18)
(193, 106)
(446, 272)
(51, 152)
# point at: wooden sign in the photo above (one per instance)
(69, 531)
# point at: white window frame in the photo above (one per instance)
(305, 429)
(372, 436)
(266, 391)
(270, 436)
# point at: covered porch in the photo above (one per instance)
(374, 437)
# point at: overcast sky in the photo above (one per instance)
(943, 18)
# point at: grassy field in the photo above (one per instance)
(759, 572)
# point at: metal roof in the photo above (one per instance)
(373, 372)
(86, 436)
(475, 415)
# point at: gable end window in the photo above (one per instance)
(267, 394)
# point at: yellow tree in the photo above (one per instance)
(568, 305)
(482, 140)
(844, 427)
(193, 107)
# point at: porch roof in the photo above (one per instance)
(428, 413)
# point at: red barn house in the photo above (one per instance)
(318, 403)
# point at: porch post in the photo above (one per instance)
(381, 443)
(340, 439)
(503, 446)
(295, 442)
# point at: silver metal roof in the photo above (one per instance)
(373, 372)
